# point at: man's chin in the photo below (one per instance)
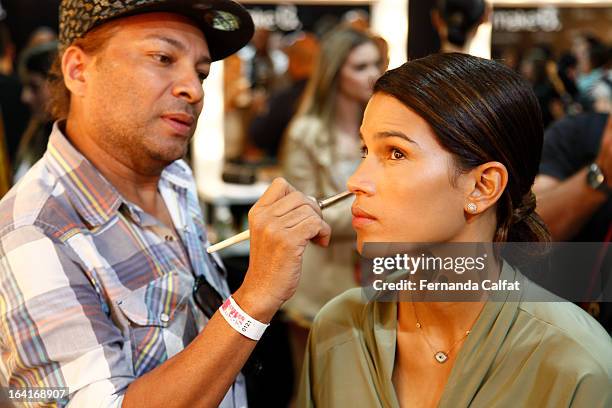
(168, 156)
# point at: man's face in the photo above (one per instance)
(144, 90)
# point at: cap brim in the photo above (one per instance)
(227, 25)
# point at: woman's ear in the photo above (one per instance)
(75, 62)
(487, 183)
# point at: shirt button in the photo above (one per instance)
(169, 238)
(164, 318)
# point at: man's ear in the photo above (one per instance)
(75, 63)
(487, 183)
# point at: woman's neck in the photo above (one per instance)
(443, 323)
(348, 114)
(447, 322)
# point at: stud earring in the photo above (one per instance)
(472, 208)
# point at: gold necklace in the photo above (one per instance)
(440, 356)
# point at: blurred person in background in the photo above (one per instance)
(267, 128)
(34, 74)
(457, 21)
(41, 35)
(602, 94)
(591, 56)
(14, 113)
(509, 56)
(567, 71)
(602, 90)
(320, 151)
(357, 19)
(535, 69)
(5, 182)
(574, 188)
(261, 66)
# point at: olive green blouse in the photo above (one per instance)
(518, 354)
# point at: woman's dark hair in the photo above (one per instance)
(480, 111)
(460, 16)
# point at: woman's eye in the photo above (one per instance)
(397, 154)
(364, 152)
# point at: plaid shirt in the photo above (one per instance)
(94, 292)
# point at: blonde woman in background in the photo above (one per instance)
(319, 153)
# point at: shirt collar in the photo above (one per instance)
(95, 198)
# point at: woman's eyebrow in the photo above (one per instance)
(394, 133)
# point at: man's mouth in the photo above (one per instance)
(182, 123)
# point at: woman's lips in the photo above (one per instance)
(361, 218)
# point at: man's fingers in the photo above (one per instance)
(292, 201)
(293, 218)
(277, 190)
(324, 236)
(315, 229)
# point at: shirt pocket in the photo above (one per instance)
(157, 316)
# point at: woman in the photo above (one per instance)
(320, 151)
(451, 149)
(457, 22)
(33, 69)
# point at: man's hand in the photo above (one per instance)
(604, 157)
(282, 223)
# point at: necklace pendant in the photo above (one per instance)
(441, 357)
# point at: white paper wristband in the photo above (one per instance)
(241, 321)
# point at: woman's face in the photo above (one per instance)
(359, 72)
(403, 185)
(36, 95)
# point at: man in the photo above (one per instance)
(102, 241)
(268, 127)
(574, 189)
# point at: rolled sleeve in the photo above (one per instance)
(55, 328)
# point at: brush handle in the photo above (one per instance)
(243, 236)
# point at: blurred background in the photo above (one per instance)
(290, 103)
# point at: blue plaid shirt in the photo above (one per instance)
(94, 292)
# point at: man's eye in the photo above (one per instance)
(164, 59)
(397, 154)
(364, 152)
(202, 76)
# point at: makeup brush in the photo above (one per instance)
(243, 236)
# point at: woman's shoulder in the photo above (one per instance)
(572, 334)
(305, 129)
(345, 309)
(341, 318)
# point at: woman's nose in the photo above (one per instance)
(361, 181)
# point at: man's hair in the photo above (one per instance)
(92, 43)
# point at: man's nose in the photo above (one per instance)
(188, 86)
